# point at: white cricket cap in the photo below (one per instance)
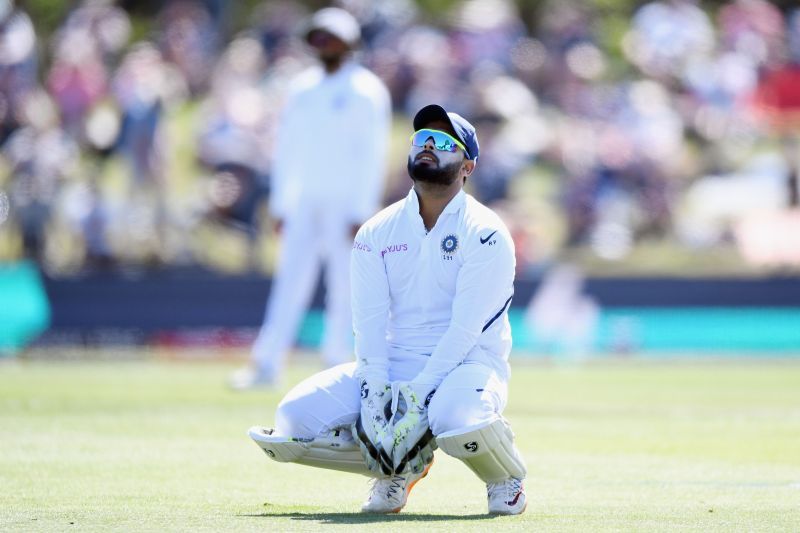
(337, 22)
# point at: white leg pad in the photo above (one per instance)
(338, 451)
(487, 449)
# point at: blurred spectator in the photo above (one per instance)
(327, 178)
(40, 155)
(189, 40)
(77, 80)
(85, 49)
(237, 113)
(235, 136)
(17, 64)
(143, 86)
(667, 36)
(777, 101)
(275, 24)
(753, 28)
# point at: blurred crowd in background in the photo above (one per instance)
(660, 134)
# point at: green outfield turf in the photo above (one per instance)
(161, 446)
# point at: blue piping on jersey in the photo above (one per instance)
(495, 317)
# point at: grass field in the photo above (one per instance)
(154, 445)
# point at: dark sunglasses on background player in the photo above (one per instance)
(441, 140)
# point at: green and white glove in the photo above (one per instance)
(413, 443)
(372, 429)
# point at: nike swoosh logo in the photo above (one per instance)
(514, 501)
(484, 241)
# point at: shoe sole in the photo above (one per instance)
(500, 513)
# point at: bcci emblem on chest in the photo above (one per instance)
(450, 244)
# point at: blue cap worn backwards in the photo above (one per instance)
(461, 126)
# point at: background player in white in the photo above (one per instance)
(432, 279)
(327, 179)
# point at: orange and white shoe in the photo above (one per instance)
(389, 495)
(507, 497)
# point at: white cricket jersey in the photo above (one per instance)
(442, 294)
(331, 143)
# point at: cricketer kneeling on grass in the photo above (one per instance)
(432, 279)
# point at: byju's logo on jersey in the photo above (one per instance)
(394, 248)
(450, 244)
(361, 246)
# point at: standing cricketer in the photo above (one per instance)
(327, 179)
(432, 279)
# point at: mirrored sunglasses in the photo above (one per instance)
(441, 140)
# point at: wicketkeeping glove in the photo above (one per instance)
(372, 429)
(413, 441)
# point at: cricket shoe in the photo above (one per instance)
(251, 377)
(389, 495)
(507, 497)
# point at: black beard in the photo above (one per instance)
(441, 175)
(331, 63)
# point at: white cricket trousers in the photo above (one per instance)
(470, 394)
(308, 239)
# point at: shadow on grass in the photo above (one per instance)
(362, 518)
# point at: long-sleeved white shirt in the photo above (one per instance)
(331, 144)
(443, 293)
